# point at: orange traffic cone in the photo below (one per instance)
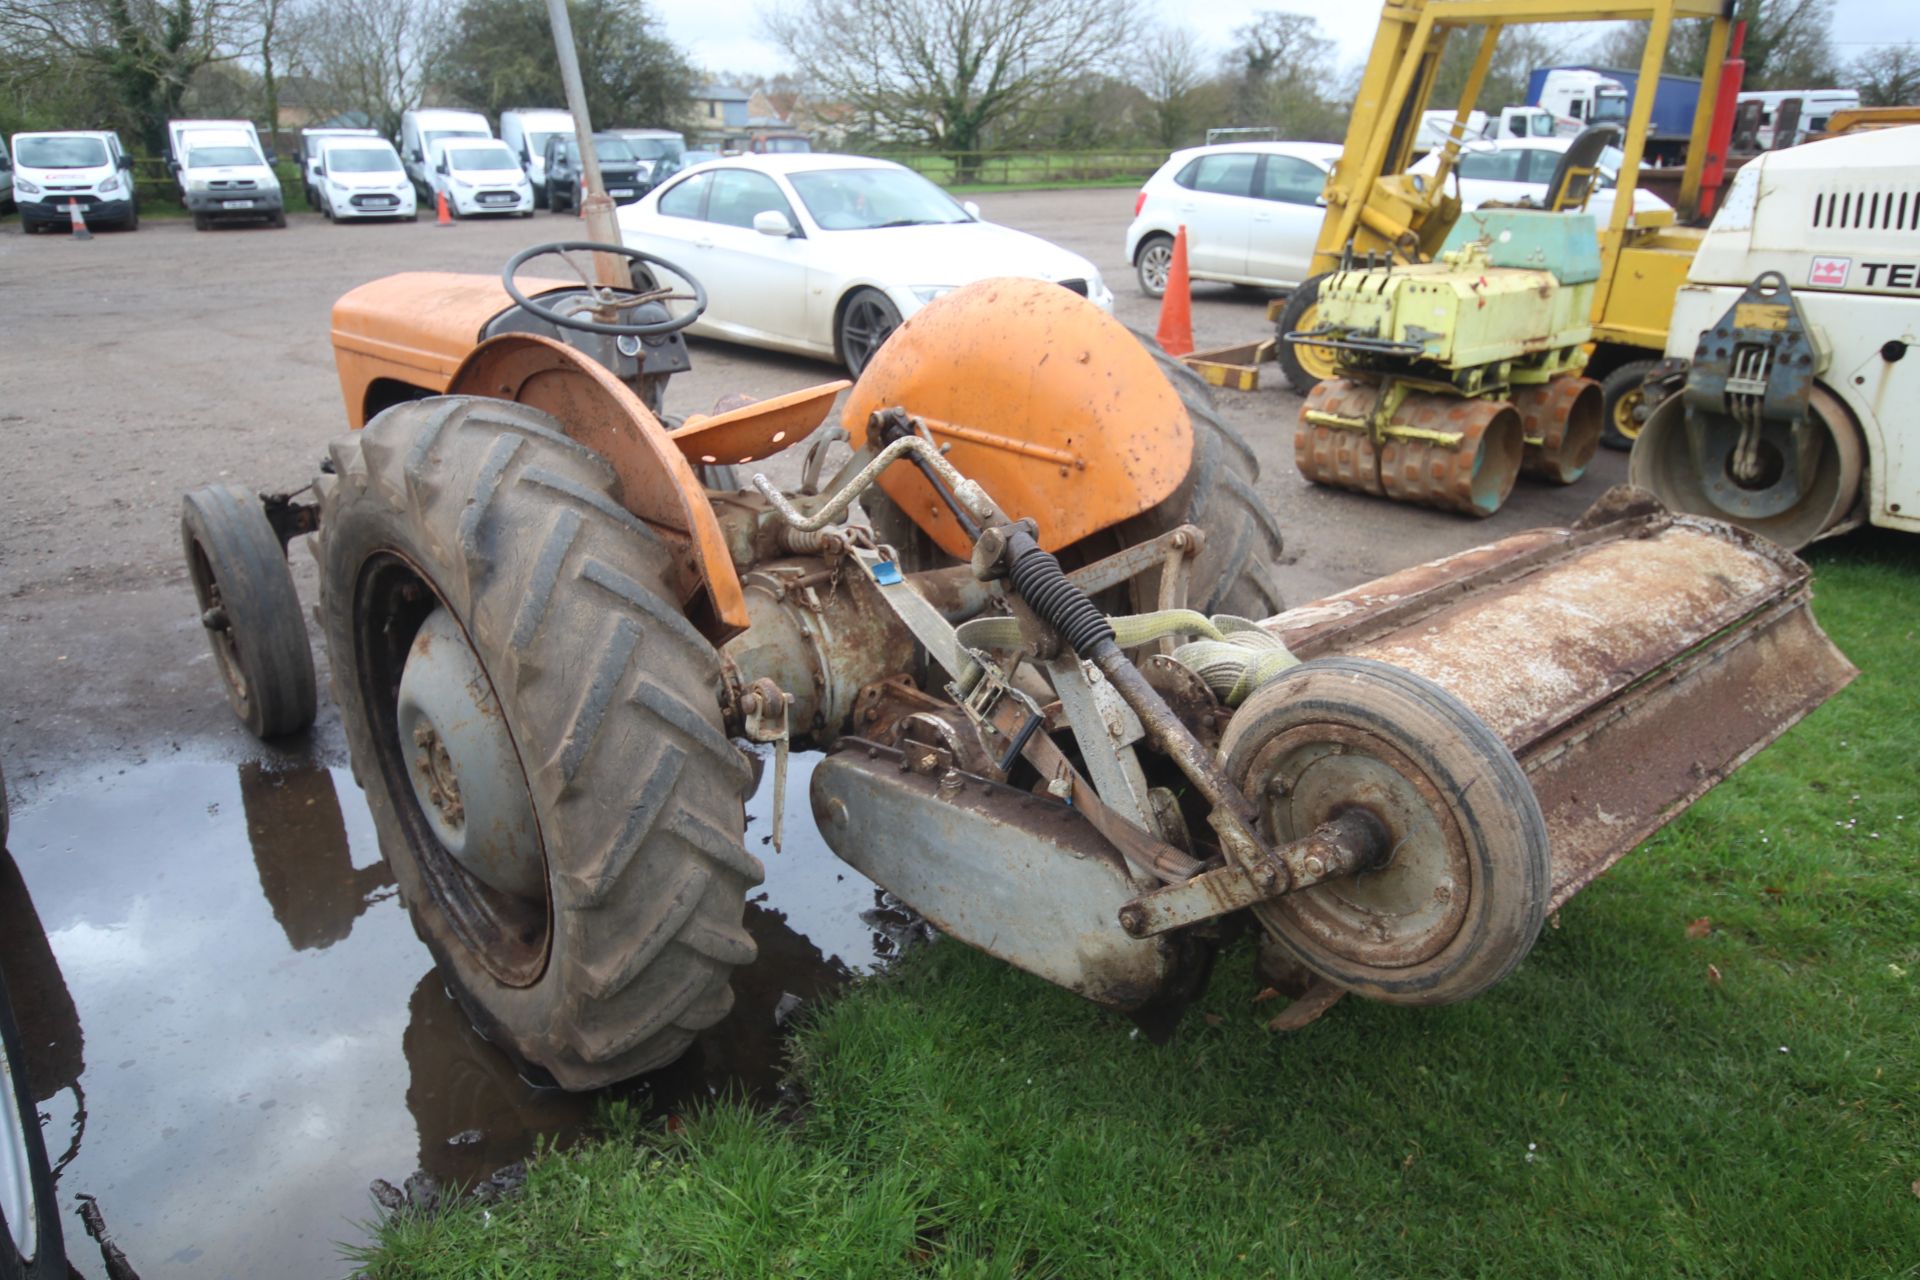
(80, 231)
(445, 218)
(1176, 306)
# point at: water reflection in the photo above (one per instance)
(264, 1035)
(300, 849)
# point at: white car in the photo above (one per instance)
(1510, 170)
(480, 175)
(826, 254)
(1252, 211)
(363, 178)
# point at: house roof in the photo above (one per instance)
(721, 93)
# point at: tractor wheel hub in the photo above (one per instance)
(461, 760)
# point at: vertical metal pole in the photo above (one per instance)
(597, 206)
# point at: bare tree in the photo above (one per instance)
(1787, 44)
(1520, 49)
(375, 56)
(1268, 57)
(949, 72)
(148, 50)
(1887, 77)
(1168, 67)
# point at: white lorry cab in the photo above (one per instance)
(223, 172)
(363, 178)
(480, 175)
(1578, 98)
(54, 170)
(525, 130)
(311, 140)
(422, 127)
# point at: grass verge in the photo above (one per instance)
(1740, 1098)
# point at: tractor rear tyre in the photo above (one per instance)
(1621, 395)
(1303, 366)
(250, 609)
(1236, 572)
(539, 735)
(1464, 892)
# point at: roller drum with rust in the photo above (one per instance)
(1563, 414)
(1338, 456)
(1473, 476)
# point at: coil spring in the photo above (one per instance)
(1041, 582)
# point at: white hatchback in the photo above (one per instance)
(1252, 211)
(826, 254)
(1512, 170)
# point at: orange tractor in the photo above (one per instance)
(558, 625)
(1046, 725)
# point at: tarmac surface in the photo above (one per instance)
(230, 1020)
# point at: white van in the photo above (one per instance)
(363, 178)
(480, 175)
(422, 127)
(311, 140)
(525, 130)
(53, 170)
(223, 172)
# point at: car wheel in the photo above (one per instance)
(1151, 262)
(867, 320)
(30, 1242)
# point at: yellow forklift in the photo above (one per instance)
(1376, 208)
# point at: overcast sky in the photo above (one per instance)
(726, 35)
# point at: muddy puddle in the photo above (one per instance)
(233, 1029)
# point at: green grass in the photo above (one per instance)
(1608, 1111)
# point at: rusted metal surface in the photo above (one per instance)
(1472, 476)
(1431, 450)
(1561, 422)
(1351, 841)
(1020, 877)
(1630, 662)
(657, 483)
(1236, 368)
(1047, 401)
(819, 630)
(757, 430)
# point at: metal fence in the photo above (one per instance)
(1024, 168)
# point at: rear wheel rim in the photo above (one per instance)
(1625, 424)
(1155, 262)
(507, 935)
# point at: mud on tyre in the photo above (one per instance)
(485, 510)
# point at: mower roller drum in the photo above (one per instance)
(556, 795)
(250, 609)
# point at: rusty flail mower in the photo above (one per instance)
(1028, 621)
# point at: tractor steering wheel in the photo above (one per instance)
(608, 298)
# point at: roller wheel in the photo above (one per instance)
(1620, 400)
(1663, 463)
(1303, 366)
(1237, 572)
(30, 1243)
(1463, 895)
(250, 609)
(539, 734)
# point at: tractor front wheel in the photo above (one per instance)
(250, 609)
(539, 734)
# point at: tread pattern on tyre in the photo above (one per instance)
(638, 790)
